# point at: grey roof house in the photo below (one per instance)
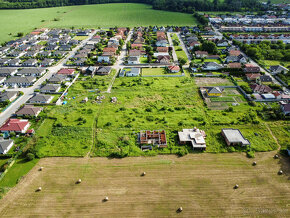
(40, 99)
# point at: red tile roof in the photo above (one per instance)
(174, 68)
(14, 125)
(66, 71)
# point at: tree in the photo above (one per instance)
(182, 61)
(30, 156)
(209, 46)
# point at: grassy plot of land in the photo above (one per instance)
(202, 184)
(20, 168)
(180, 53)
(89, 16)
(157, 72)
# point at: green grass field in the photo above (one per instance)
(90, 16)
(157, 72)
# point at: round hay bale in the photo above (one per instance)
(144, 173)
(106, 198)
(254, 163)
(280, 172)
(41, 168)
(180, 209)
(276, 156)
(39, 189)
(79, 181)
(236, 186)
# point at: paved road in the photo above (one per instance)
(175, 59)
(28, 92)
(184, 48)
(119, 63)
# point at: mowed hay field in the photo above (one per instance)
(88, 16)
(200, 183)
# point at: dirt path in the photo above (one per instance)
(274, 137)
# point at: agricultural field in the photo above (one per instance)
(88, 16)
(202, 184)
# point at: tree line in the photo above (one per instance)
(186, 6)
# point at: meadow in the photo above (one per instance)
(110, 129)
(88, 16)
(202, 184)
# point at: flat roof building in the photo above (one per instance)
(195, 137)
(234, 137)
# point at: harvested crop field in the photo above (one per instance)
(200, 183)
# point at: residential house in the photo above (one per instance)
(234, 66)
(163, 59)
(29, 63)
(65, 48)
(195, 137)
(4, 61)
(285, 109)
(8, 96)
(14, 62)
(40, 99)
(155, 138)
(90, 71)
(174, 69)
(162, 49)
(137, 46)
(29, 111)
(50, 88)
(5, 72)
(276, 69)
(214, 91)
(161, 43)
(18, 81)
(264, 79)
(133, 60)
(103, 71)
(260, 88)
(15, 125)
(234, 137)
(234, 52)
(135, 53)
(46, 62)
(193, 44)
(57, 79)
(211, 66)
(35, 72)
(104, 59)
(66, 71)
(5, 145)
(249, 68)
(31, 54)
(133, 72)
(222, 43)
(201, 54)
(252, 76)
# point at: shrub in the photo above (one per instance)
(108, 124)
(148, 109)
(182, 152)
(150, 118)
(30, 156)
(250, 154)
